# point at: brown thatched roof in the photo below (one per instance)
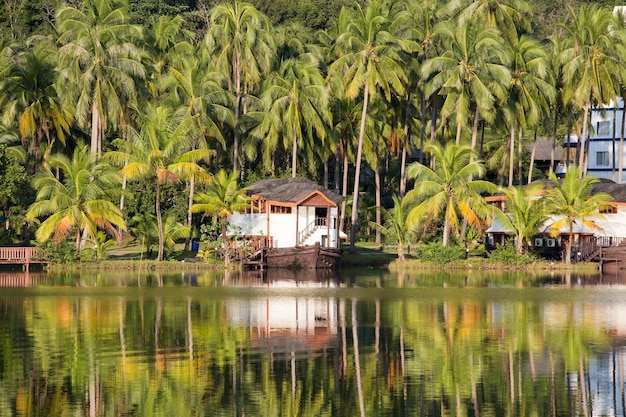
(290, 190)
(544, 149)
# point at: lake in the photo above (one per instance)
(354, 343)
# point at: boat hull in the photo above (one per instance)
(303, 257)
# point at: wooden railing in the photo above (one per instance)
(18, 254)
(593, 248)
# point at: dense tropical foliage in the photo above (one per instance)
(172, 92)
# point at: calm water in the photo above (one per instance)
(364, 343)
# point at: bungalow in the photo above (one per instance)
(610, 230)
(289, 212)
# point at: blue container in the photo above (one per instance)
(194, 246)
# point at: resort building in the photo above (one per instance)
(609, 230)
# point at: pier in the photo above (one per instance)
(25, 256)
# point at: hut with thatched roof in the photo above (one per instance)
(290, 212)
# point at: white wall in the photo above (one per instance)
(249, 224)
(601, 141)
(282, 229)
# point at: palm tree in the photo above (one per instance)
(99, 63)
(531, 89)
(589, 65)
(161, 149)
(506, 15)
(166, 43)
(30, 87)
(524, 215)
(79, 202)
(239, 39)
(369, 61)
(470, 70)
(396, 226)
(196, 88)
(570, 201)
(221, 198)
(297, 101)
(449, 188)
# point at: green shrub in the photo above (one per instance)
(63, 253)
(439, 254)
(506, 254)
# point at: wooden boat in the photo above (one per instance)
(303, 257)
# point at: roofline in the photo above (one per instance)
(297, 203)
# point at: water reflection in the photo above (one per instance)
(364, 343)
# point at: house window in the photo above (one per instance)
(281, 210)
(602, 158)
(604, 128)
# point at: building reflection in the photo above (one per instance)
(288, 322)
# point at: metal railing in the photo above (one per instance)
(311, 228)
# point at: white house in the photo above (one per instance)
(290, 212)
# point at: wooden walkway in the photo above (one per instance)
(14, 255)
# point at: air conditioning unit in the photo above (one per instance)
(551, 243)
(538, 241)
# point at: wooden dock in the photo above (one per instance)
(25, 256)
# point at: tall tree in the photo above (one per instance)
(30, 89)
(571, 202)
(508, 16)
(78, 203)
(451, 188)
(470, 71)
(162, 148)
(589, 65)
(530, 91)
(369, 62)
(99, 63)
(204, 99)
(239, 38)
(296, 100)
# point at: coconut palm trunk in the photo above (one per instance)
(159, 220)
(357, 171)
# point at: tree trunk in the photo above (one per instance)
(613, 162)
(458, 134)
(192, 187)
(532, 157)
(582, 141)
(159, 221)
(336, 170)
(556, 117)
(511, 153)
(621, 143)
(378, 187)
(357, 173)
(344, 191)
(405, 141)
(95, 128)
(475, 130)
(237, 74)
(520, 151)
(294, 155)
(446, 231)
